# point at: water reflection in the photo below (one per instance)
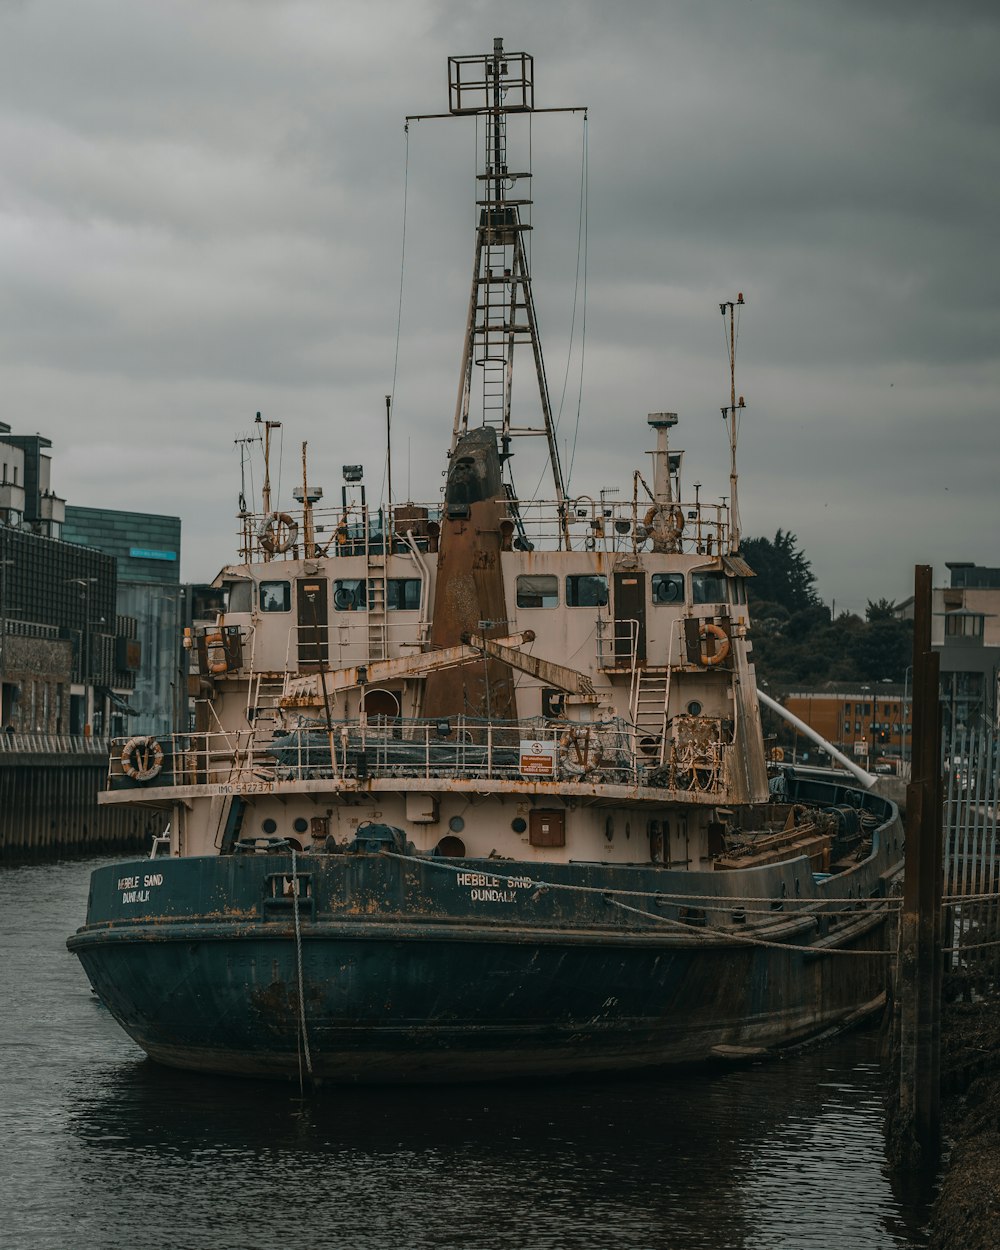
(107, 1149)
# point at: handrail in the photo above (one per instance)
(52, 744)
(602, 752)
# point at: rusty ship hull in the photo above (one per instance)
(378, 965)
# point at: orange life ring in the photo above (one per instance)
(216, 650)
(277, 532)
(722, 648)
(674, 511)
(142, 758)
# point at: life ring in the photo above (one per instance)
(277, 532)
(142, 767)
(708, 630)
(216, 650)
(675, 516)
(585, 748)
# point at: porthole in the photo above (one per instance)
(694, 708)
(609, 828)
(450, 847)
(269, 825)
(628, 828)
(456, 824)
(519, 824)
(300, 824)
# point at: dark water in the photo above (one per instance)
(100, 1148)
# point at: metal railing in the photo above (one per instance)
(52, 744)
(607, 752)
(604, 524)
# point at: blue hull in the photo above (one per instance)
(400, 968)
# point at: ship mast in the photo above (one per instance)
(501, 314)
(731, 412)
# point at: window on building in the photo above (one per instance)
(709, 588)
(668, 587)
(403, 594)
(587, 591)
(276, 596)
(963, 625)
(350, 594)
(857, 726)
(847, 726)
(537, 590)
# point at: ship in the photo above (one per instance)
(477, 789)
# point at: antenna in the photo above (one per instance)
(730, 306)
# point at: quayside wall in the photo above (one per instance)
(48, 800)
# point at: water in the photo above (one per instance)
(100, 1148)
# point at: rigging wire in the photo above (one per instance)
(399, 306)
(585, 216)
(581, 252)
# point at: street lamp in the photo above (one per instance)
(906, 718)
(4, 564)
(85, 584)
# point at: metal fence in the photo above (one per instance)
(971, 855)
(51, 744)
(605, 752)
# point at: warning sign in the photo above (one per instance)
(538, 759)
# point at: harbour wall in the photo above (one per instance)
(48, 800)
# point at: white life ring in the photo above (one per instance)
(277, 532)
(142, 758)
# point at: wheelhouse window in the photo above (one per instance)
(668, 587)
(537, 590)
(350, 594)
(276, 596)
(587, 591)
(238, 596)
(403, 594)
(709, 588)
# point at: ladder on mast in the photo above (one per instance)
(501, 314)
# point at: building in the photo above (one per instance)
(68, 658)
(965, 629)
(146, 549)
(865, 721)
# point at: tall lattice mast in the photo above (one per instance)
(501, 305)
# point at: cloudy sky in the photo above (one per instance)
(201, 212)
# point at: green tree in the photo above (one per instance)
(783, 574)
(880, 610)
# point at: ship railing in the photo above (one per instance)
(617, 643)
(609, 752)
(607, 524)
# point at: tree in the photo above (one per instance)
(783, 573)
(880, 610)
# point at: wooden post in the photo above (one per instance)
(921, 960)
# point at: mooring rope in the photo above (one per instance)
(711, 935)
(298, 960)
(710, 900)
(722, 936)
